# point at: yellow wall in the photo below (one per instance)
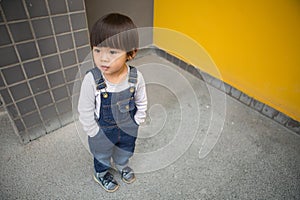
(255, 44)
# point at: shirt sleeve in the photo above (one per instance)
(140, 100)
(86, 106)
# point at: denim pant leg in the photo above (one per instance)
(125, 146)
(101, 148)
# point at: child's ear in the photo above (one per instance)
(131, 54)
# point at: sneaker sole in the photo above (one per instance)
(128, 182)
(104, 187)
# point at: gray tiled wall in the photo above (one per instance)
(42, 43)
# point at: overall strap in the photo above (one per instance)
(100, 83)
(132, 79)
(132, 75)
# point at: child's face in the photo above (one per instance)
(109, 60)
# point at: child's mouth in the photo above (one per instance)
(104, 68)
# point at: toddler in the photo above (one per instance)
(113, 100)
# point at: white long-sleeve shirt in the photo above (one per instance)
(89, 104)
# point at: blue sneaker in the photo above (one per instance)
(127, 175)
(107, 182)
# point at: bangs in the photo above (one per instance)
(115, 31)
(126, 41)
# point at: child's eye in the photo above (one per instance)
(113, 51)
(97, 50)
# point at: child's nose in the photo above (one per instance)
(104, 56)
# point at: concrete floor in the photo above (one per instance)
(196, 144)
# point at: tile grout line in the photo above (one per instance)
(68, 80)
(38, 76)
(73, 32)
(76, 56)
(43, 91)
(73, 41)
(41, 17)
(26, 134)
(55, 39)
(30, 88)
(88, 45)
(42, 38)
(42, 57)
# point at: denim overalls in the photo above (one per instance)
(118, 130)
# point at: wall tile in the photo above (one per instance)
(245, 99)
(32, 119)
(216, 82)
(74, 87)
(8, 56)
(56, 79)
(57, 6)
(293, 125)
(51, 63)
(269, 111)
(52, 124)
(49, 113)
(225, 88)
(47, 46)
(38, 84)
(64, 106)
(13, 10)
(24, 136)
(36, 8)
(235, 93)
(4, 39)
(12, 111)
(61, 24)
(37, 131)
(27, 50)
(60, 93)
(81, 38)
(66, 118)
(1, 82)
(65, 42)
(160, 52)
(26, 106)
(84, 54)
(281, 118)
(193, 70)
(20, 91)
(42, 27)
(5, 95)
(75, 5)
(19, 124)
(256, 105)
(71, 73)
(206, 77)
(78, 21)
(19, 35)
(2, 108)
(33, 68)
(75, 105)
(71, 87)
(68, 58)
(13, 74)
(84, 67)
(1, 19)
(183, 65)
(43, 99)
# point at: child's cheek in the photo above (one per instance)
(96, 61)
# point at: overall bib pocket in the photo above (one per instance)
(119, 112)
